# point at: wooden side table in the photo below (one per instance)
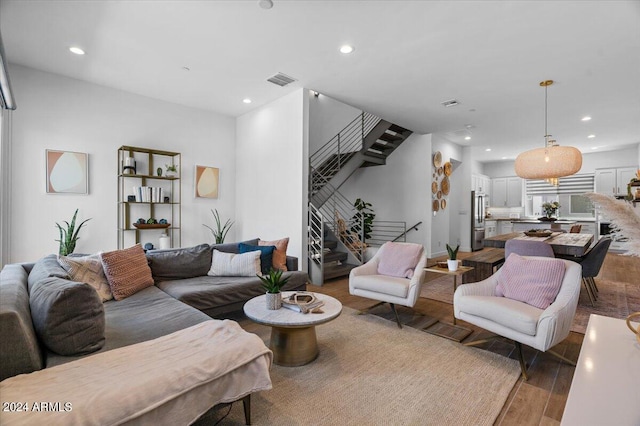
(484, 263)
(457, 273)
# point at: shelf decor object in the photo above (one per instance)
(207, 179)
(551, 162)
(146, 192)
(67, 172)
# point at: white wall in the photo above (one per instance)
(327, 117)
(399, 190)
(271, 178)
(61, 113)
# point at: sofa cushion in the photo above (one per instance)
(19, 349)
(506, 312)
(233, 247)
(68, 316)
(88, 269)
(127, 271)
(46, 267)
(234, 265)
(175, 264)
(280, 253)
(266, 255)
(532, 280)
(399, 259)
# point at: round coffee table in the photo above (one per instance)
(293, 334)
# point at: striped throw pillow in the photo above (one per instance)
(534, 281)
(88, 269)
(235, 265)
(127, 271)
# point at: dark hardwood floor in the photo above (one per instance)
(541, 399)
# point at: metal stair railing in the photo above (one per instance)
(328, 159)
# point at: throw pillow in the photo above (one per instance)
(127, 271)
(88, 269)
(399, 259)
(266, 255)
(180, 263)
(235, 265)
(233, 247)
(534, 281)
(46, 267)
(68, 316)
(279, 254)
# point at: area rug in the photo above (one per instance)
(615, 299)
(370, 372)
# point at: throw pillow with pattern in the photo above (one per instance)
(235, 265)
(88, 269)
(127, 271)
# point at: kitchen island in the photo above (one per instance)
(521, 225)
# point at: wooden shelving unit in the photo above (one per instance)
(147, 161)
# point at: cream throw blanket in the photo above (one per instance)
(169, 380)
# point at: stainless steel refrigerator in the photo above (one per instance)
(478, 201)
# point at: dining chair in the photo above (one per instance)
(575, 229)
(591, 264)
(527, 248)
(394, 275)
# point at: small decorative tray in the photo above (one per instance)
(151, 225)
(538, 233)
(442, 264)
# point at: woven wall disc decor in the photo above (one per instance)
(434, 187)
(437, 159)
(436, 205)
(445, 186)
(448, 168)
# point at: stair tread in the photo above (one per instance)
(335, 256)
(330, 244)
(338, 271)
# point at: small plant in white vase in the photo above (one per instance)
(272, 283)
(172, 170)
(452, 262)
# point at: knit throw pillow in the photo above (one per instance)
(534, 281)
(88, 269)
(127, 271)
(235, 265)
(279, 254)
(399, 259)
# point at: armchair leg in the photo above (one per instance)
(523, 365)
(395, 312)
(246, 404)
(366, 311)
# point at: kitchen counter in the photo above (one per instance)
(537, 222)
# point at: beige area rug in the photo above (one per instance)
(615, 299)
(370, 372)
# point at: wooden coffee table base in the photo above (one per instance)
(293, 347)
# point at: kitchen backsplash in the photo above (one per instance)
(505, 211)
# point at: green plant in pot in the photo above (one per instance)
(363, 219)
(272, 283)
(172, 170)
(69, 235)
(220, 232)
(452, 262)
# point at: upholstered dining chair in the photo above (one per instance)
(527, 248)
(591, 263)
(575, 229)
(522, 313)
(394, 275)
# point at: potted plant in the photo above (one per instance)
(69, 235)
(220, 232)
(364, 215)
(452, 262)
(550, 209)
(272, 283)
(172, 170)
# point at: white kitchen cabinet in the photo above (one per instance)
(490, 228)
(613, 181)
(505, 227)
(506, 192)
(481, 184)
(588, 228)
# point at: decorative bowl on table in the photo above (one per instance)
(547, 219)
(442, 264)
(538, 233)
(151, 225)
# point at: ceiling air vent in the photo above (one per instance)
(281, 79)
(450, 103)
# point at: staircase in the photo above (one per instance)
(365, 142)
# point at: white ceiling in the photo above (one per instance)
(409, 57)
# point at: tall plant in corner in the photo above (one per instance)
(69, 235)
(221, 231)
(363, 219)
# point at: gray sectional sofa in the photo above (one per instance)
(183, 296)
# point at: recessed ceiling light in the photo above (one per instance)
(346, 49)
(76, 50)
(265, 4)
(594, 147)
(488, 149)
(586, 118)
(467, 138)
(504, 158)
(246, 100)
(591, 136)
(186, 68)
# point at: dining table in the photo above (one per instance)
(562, 243)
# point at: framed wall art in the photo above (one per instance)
(206, 181)
(67, 172)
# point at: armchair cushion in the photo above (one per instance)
(531, 280)
(399, 259)
(506, 312)
(392, 286)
